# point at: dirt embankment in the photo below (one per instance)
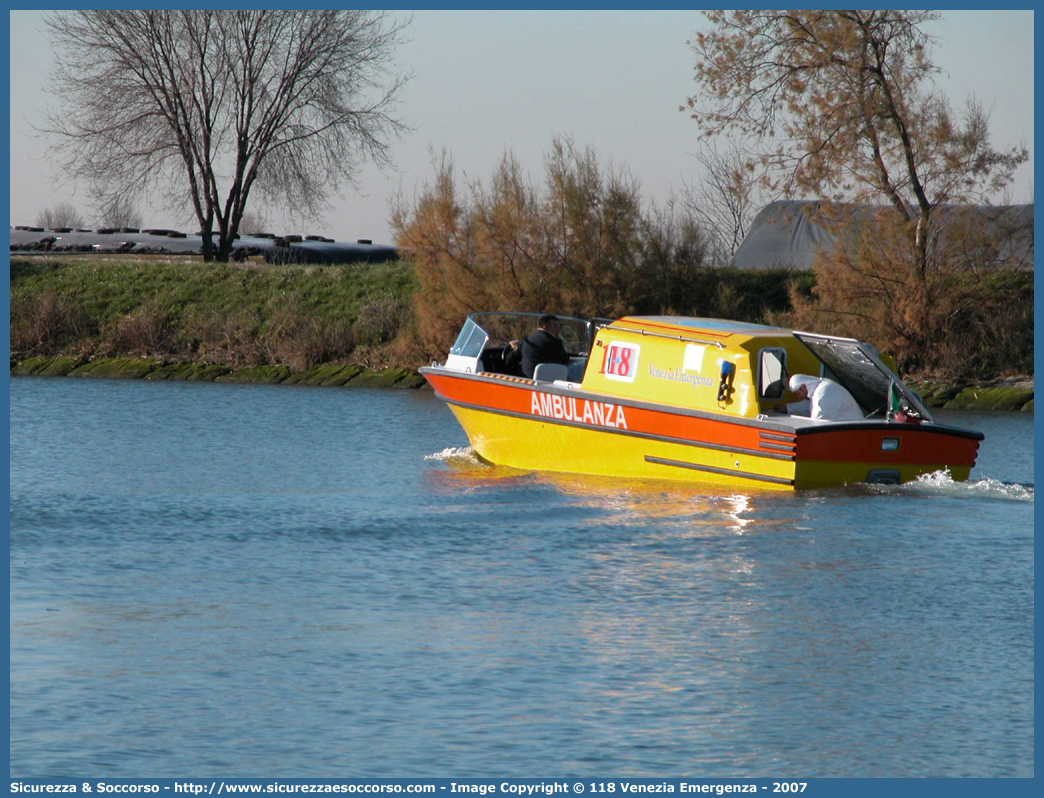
(152, 369)
(1014, 393)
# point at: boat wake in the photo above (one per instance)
(461, 455)
(940, 483)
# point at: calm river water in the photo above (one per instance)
(219, 580)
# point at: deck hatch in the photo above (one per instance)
(858, 368)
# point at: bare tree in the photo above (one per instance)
(64, 214)
(120, 211)
(210, 106)
(723, 199)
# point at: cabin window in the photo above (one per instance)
(772, 375)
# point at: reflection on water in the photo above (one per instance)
(351, 569)
(673, 504)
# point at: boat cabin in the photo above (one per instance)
(723, 367)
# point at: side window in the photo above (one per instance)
(772, 373)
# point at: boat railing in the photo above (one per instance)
(683, 338)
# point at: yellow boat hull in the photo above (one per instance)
(535, 426)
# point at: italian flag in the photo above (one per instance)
(893, 398)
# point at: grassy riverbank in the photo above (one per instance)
(234, 315)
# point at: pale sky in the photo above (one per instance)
(491, 81)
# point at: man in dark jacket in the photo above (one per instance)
(541, 346)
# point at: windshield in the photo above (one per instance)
(504, 327)
(471, 340)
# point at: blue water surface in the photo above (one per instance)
(275, 581)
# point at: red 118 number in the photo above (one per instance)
(619, 361)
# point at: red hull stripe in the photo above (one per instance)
(519, 399)
(628, 432)
(783, 432)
